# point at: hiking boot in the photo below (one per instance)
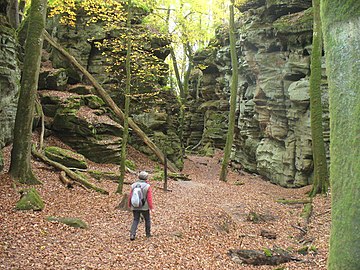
(132, 237)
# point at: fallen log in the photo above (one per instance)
(307, 212)
(70, 173)
(260, 257)
(109, 101)
(66, 181)
(301, 201)
(179, 176)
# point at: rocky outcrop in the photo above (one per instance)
(9, 82)
(82, 122)
(153, 108)
(272, 134)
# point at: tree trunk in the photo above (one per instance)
(182, 98)
(127, 101)
(22, 5)
(108, 100)
(321, 181)
(13, 13)
(234, 86)
(187, 73)
(20, 167)
(341, 28)
(66, 181)
(177, 72)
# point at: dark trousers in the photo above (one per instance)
(146, 215)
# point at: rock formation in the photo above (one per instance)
(9, 80)
(273, 136)
(100, 140)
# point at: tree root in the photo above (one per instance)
(284, 201)
(68, 172)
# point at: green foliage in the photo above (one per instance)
(158, 174)
(146, 5)
(307, 249)
(97, 10)
(130, 164)
(267, 252)
(313, 249)
(254, 217)
(191, 25)
(148, 72)
(239, 183)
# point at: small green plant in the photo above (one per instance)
(239, 183)
(267, 252)
(313, 249)
(158, 174)
(254, 217)
(130, 164)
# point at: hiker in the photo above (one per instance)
(140, 202)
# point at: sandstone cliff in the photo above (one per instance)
(273, 136)
(9, 81)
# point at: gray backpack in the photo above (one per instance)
(137, 196)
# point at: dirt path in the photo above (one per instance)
(194, 226)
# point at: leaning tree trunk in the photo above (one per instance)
(341, 28)
(321, 181)
(234, 86)
(20, 167)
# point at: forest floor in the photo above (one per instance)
(193, 226)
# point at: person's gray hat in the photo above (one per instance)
(143, 175)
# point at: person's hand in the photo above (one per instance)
(152, 211)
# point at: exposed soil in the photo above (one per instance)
(193, 226)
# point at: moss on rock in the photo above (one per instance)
(66, 157)
(72, 222)
(93, 102)
(30, 200)
(295, 22)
